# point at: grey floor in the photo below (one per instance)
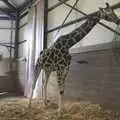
(10, 96)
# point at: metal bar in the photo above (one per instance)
(4, 18)
(7, 28)
(17, 35)
(23, 15)
(21, 42)
(23, 7)
(7, 13)
(79, 19)
(9, 5)
(23, 25)
(4, 43)
(116, 6)
(68, 15)
(11, 41)
(14, 43)
(118, 33)
(45, 23)
(7, 46)
(66, 24)
(88, 16)
(56, 5)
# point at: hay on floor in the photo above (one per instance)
(14, 110)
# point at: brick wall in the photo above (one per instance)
(97, 81)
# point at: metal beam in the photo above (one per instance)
(56, 5)
(79, 19)
(6, 46)
(8, 13)
(68, 15)
(66, 24)
(17, 35)
(9, 5)
(100, 23)
(23, 25)
(24, 14)
(4, 18)
(23, 7)
(21, 42)
(9, 28)
(45, 23)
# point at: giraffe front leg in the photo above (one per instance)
(60, 103)
(62, 74)
(47, 74)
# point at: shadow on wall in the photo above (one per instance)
(8, 79)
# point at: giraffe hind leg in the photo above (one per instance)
(47, 74)
(36, 75)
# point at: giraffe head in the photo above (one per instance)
(108, 14)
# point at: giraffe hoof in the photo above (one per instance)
(46, 102)
(61, 111)
(59, 114)
(29, 106)
(25, 112)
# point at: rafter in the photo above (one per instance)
(8, 13)
(25, 5)
(102, 24)
(56, 5)
(9, 5)
(4, 18)
(115, 6)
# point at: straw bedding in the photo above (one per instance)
(15, 109)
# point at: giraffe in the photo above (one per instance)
(57, 57)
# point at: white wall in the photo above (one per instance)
(97, 36)
(22, 54)
(5, 36)
(22, 37)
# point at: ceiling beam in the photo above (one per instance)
(4, 18)
(9, 5)
(25, 5)
(8, 13)
(115, 6)
(56, 5)
(24, 14)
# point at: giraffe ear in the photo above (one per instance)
(101, 9)
(107, 5)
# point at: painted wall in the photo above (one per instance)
(5, 36)
(97, 36)
(22, 55)
(22, 37)
(6, 83)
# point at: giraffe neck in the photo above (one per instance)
(79, 33)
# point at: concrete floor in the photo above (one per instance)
(10, 96)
